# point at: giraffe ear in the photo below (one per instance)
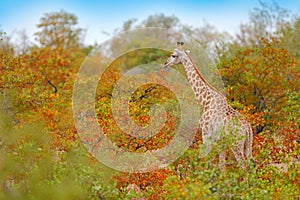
(188, 52)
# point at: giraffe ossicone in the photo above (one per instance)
(217, 114)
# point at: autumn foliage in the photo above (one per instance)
(41, 153)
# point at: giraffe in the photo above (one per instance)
(217, 113)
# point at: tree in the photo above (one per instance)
(22, 44)
(265, 21)
(208, 37)
(262, 76)
(6, 46)
(161, 21)
(58, 29)
(290, 38)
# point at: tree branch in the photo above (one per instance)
(49, 82)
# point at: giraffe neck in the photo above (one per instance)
(202, 90)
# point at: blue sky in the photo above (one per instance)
(107, 15)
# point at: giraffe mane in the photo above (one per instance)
(203, 79)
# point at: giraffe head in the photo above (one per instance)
(177, 56)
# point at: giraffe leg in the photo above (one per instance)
(239, 156)
(222, 160)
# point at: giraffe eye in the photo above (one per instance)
(173, 56)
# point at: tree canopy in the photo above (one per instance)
(42, 155)
(59, 29)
